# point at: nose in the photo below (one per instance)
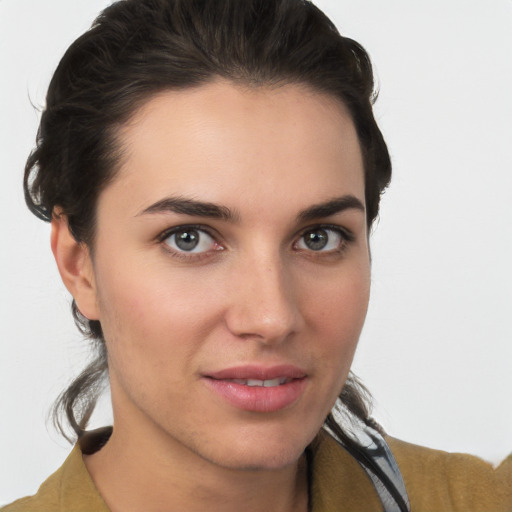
(264, 302)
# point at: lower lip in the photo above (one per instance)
(258, 398)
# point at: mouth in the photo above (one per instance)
(257, 373)
(269, 383)
(258, 389)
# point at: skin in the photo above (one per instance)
(255, 293)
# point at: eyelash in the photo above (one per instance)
(184, 255)
(346, 238)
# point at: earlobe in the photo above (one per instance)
(75, 266)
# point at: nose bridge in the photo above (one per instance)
(264, 302)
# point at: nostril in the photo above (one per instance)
(263, 305)
(265, 327)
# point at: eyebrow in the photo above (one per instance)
(331, 207)
(195, 208)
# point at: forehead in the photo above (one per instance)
(221, 142)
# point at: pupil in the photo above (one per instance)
(187, 240)
(316, 240)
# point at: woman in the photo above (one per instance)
(211, 173)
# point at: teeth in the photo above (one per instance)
(270, 383)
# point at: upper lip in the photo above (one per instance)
(258, 372)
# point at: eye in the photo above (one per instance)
(190, 240)
(322, 239)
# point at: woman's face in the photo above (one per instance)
(231, 271)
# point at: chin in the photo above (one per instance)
(262, 461)
(257, 452)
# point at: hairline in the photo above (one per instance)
(115, 130)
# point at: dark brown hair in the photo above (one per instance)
(137, 48)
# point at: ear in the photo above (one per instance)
(75, 266)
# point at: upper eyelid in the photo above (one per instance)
(183, 255)
(166, 233)
(346, 232)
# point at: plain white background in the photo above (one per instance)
(436, 351)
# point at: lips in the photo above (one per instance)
(259, 372)
(268, 383)
(256, 388)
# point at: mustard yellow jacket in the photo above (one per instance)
(436, 481)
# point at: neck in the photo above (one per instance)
(163, 477)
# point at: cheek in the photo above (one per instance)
(149, 316)
(341, 302)
(338, 311)
(150, 294)
(153, 339)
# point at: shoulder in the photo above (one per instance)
(45, 500)
(337, 480)
(69, 488)
(438, 480)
